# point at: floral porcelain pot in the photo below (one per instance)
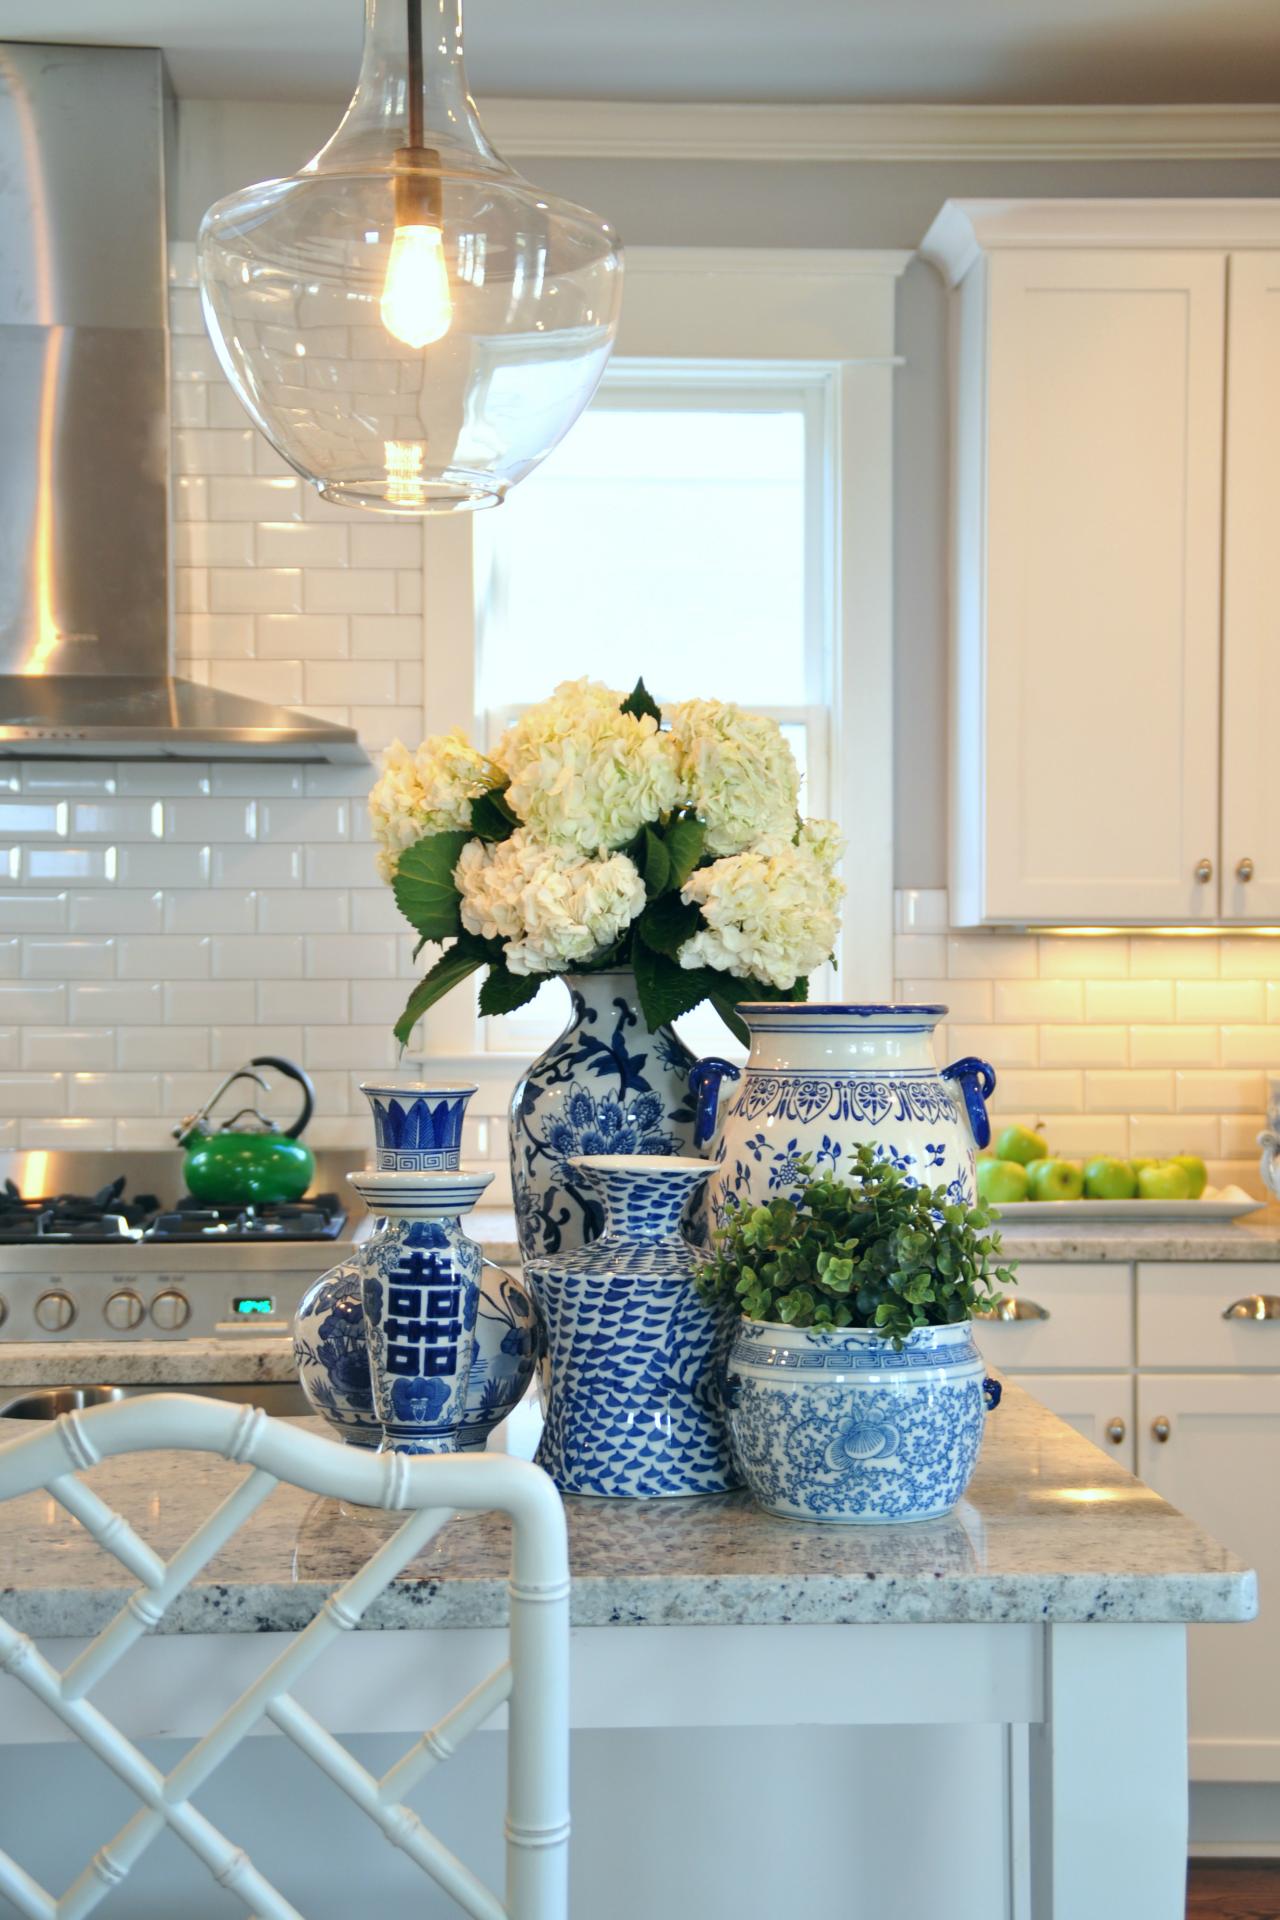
(329, 1336)
(636, 1401)
(607, 1085)
(822, 1079)
(835, 1425)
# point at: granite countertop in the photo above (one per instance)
(1255, 1236)
(1052, 1530)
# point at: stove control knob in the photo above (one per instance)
(170, 1310)
(55, 1311)
(123, 1310)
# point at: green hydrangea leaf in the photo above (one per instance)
(641, 702)
(424, 885)
(666, 924)
(504, 991)
(655, 864)
(686, 838)
(454, 964)
(491, 817)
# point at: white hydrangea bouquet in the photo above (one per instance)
(602, 834)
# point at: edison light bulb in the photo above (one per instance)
(416, 306)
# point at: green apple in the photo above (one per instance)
(1138, 1165)
(1020, 1144)
(1001, 1181)
(1058, 1180)
(1108, 1179)
(1165, 1181)
(1196, 1170)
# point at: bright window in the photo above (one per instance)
(682, 532)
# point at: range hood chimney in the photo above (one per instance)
(85, 669)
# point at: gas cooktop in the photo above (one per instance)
(110, 1217)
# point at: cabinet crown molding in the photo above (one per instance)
(964, 230)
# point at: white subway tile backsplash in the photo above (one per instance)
(310, 821)
(390, 636)
(365, 1048)
(258, 956)
(1128, 1000)
(10, 1046)
(164, 866)
(303, 636)
(1192, 957)
(118, 1003)
(1084, 1046)
(1221, 1000)
(257, 866)
(210, 910)
(255, 590)
(25, 1094)
(197, 450)
(30, 1004)
(117, 820)
(1042, 1090)
(315, 1002)
(259, 498)
(33, 912)
(1004, 1047)
(389, 546)
(918, 954)
(1251, 1046)
(1220, 1092)
(1081, 1136)
(25, 819)
(337, 866)
(82, 1136)
(215, 636)
(163, 956)
(296, 543)
(210, 1003)
(354, 956)
(67, 1047)
(234, 1046)
(112, 1095)
(121, 910)
(381, 1002)
(55, 866)
(1160, 1135)
(1176, 1046)
(374, 910)
(1144, 1090)
(152, 1049)
(1038, 1000)
(1101, 959)
(213, 543)
(1244, 958)
(164, 779)
(304, 910)
(11, 958)
(409, 592)
(349, 590)
(979, 955)
(68, 959)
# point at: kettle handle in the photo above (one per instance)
(705, 1077)
(290, 1072)
(976, 1080)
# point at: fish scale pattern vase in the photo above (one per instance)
(636, 1402)
(606, 1085)
(823, 1080)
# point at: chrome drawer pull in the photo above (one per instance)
(1023, 1310)
(1254, 1306)
(1115, 1432)
(1161, 1429)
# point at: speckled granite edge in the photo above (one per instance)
(259, 1360)
(1255, 1238)
(651, 1600)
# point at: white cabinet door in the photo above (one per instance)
(1102, 577)
(1220, 1464)
(1098, 1405)
(1251, 592)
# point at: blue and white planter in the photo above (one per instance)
(607, 1085)
(636, 1401)
(417, 1125)
(838, 1426)
(820, 1080)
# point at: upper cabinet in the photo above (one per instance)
(1116, 460)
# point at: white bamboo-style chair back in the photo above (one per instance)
(533, 1680)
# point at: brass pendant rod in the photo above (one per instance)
(415, 73)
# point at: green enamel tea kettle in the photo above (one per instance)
(246, 1161)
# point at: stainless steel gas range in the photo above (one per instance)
(101, 1251)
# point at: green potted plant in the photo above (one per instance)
(856, 1391)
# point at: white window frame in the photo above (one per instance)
(766, 310)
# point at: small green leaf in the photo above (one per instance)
(454, 964)
(666, 990)
(686, 837)
(656, 865)
(732, 1018)
(666, 924)
(504, 991)
(641, 702)
(424, 886)
(491, 817)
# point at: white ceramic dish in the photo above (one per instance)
(1214, 1204)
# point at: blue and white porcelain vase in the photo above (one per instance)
(420, 1288)
(330, 1341)
(821, 1080)
(607, 1085)
(837, 1425)
(636, 1401)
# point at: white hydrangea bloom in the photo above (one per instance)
(429, 791)
(738, 771)
(773, 912)
(552, 908)
(585, 775)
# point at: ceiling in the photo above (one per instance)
(981, 51)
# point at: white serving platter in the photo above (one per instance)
(1214, 1204)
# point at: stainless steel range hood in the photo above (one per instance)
(85, 606)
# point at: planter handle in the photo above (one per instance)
(992, 1394)
(976, 1080)
(705, 1077)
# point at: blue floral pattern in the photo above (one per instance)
(841, 1427)
(607, 1085)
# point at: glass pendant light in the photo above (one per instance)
(411, 324)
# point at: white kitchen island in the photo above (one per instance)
(970, 1719)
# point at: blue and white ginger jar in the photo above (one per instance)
(838, 1425)
(607, 1085)
(636, 1400)
(820, 1080)
(330, 1342)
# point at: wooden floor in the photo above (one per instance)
(1234, 1890)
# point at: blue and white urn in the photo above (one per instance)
(820, 1080)
(835, 1424)
(636, 1402)
(420, 1287)
(330, 1340)
(606, 1085)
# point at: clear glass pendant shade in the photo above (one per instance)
(411, 324)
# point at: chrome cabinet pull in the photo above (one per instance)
(1014, 1310)
(1244, 870)
(1204, 872)
(1116, 1432)
(1254, 1306)
(1161, 1429)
